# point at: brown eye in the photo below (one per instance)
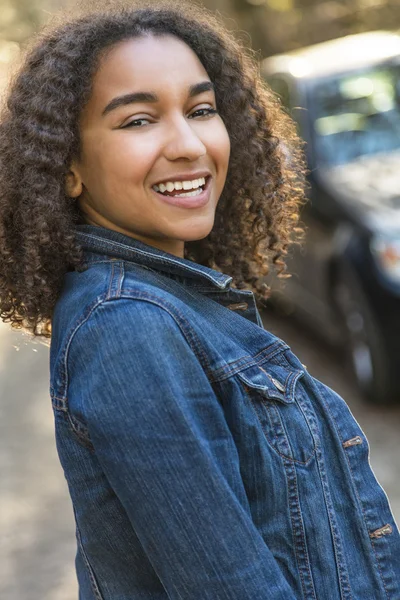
(132, 123)
(208, 111)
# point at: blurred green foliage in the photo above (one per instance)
(269, 26)
(19, 19)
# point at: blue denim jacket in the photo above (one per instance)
(203, 461)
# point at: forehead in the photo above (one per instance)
(145, 64)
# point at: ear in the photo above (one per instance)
(73, 182)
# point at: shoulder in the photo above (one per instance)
(90, 294)
(141, 314)
(127, 346)
(123, 329)
(106, 310)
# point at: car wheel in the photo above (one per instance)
(364, 351)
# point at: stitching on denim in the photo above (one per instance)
(294, 381)
(248, 361)
(324, 478)
(342, 568)
(307, 411)
(99, 262)
(120, 279)
(108, 296)
(296, 460)
(293, 529)
(70, 336)
(276, 417)
(62, 401)
(196, 347)
(273, 380)
(270, 443)
(371, 540)
(92, 578)
(174, 312)
(224, 279)
(301, 528)
(80, 431)
(337, 542)
(359, 502)
(117, 293)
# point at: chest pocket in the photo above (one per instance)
(284, 417)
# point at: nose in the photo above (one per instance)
(183, 141)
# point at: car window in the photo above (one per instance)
(356, 114)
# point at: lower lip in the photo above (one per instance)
(192, 201)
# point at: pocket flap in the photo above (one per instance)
(272, 381)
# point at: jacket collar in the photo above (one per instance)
(99, 240)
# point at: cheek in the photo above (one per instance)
(222, 141)
(116, 159)
(221, 149)
(227, 147)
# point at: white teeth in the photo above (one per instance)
(179, 185)
(194, 193)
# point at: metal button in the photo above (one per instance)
(385, 530)
(278, 384)
(355, 441)
(238, 306)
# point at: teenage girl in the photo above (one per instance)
(148, 178)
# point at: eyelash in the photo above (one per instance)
(210, 111)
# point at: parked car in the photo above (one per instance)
(345, 97)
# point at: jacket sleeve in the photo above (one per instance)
(160, 435)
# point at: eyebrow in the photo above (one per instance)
(194, 90)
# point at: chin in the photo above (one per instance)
(197, 232)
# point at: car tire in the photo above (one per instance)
(364, 350)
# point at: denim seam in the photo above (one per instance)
(274, 412)
(371, 541)
(121, 276)
(360, 503)
(220, 280)
(100, 261)
(180, 320)
(293, 528)
(116, 293)
(336, 539)
(270, 444)
(63, 403)
(80, 431)
(229, 369)
(70, 336)
(93, 582)
(298, 528)
(189, 335)
(337, 542)
(111, 281)
(164, 275)
(305, 463)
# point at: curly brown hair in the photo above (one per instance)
(258, 212)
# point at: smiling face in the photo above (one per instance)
(129, 143)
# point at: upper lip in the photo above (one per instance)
(184, 176)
